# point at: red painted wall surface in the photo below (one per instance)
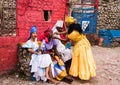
(29, 13)
(8, 52)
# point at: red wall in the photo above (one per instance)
(29, 12)
(8, 52)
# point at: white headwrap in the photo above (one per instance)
(59, 23)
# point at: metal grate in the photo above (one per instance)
(7, 17)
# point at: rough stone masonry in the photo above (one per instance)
(109, 14)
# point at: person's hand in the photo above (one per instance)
(57, 33)
(55, 37)
(37, 53)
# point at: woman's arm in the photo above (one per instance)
(60, 38)
(34, 52)
(63, 32)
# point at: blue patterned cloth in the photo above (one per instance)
(33, 29)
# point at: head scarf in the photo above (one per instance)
(59, 23)
(45, 34)
(32, 30)
(69, 20)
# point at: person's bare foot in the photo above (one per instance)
(47, 76)
(53, 81)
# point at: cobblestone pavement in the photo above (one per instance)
(108, 70)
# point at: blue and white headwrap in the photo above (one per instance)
(32, 30)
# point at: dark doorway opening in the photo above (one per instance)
(47, 15)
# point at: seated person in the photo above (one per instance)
(40, 63)
(58, 67)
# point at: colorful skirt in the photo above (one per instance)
(58, 71)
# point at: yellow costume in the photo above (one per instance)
(83, 64)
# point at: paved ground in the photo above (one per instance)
(108, 70)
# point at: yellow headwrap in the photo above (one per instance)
(69, 20)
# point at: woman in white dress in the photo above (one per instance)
(40, 63)
(65, 52)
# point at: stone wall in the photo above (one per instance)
(7, 18)
(8, 38)
(109, 15)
